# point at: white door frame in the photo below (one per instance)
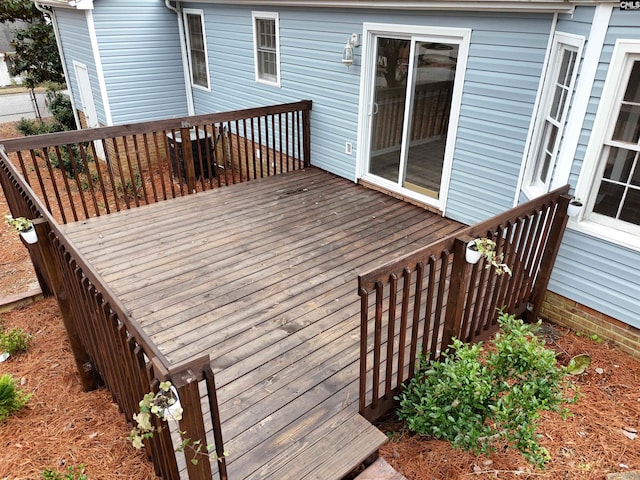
(371, 31)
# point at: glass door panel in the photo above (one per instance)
(388, 109)
(434, 68)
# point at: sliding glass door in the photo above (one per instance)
(410, 109)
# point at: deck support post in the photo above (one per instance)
(457, 291)
(549, 255)
(306, 136)
(84, 363)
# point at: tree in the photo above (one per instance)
(36, 58)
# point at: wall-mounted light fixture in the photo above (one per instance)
(347, 52)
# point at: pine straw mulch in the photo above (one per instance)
(61, 426)
(587, 446)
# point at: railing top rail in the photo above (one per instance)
(141, 337)
(368, 280)
(88, 135)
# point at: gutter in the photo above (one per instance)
(183, 51)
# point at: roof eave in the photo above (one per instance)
(75, 4)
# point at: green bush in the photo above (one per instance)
(475, 397)
(12, 398)
(29, 127)
(72, 473)
(61, 109)
(14, 341)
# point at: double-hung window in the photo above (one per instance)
(554, 105)
(197, 47)
(266, 44)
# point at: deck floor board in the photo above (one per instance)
(262, 277)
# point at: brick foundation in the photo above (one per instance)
(562, 311)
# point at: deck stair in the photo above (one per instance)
(380, 470)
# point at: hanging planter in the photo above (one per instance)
(574, 208)
(24, 227)
(472, 254)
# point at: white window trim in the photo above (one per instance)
(266, 16)
(193, 11)
(592, 166)
(461, 36)
(559, 40)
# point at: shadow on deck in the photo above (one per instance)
(262, 277)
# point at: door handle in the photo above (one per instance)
(374, 110)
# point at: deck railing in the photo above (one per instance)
(94, 172)
(420, 302)
(71, 176)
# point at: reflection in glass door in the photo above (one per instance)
(410, 115)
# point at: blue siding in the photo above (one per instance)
(503, 71)
(143, 69)
(592, 271)
(74, 36)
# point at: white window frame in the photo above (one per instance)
(259, 76)
(533, 186)
(625, 52)
(195, 12)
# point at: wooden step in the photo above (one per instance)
(380, 470)
(337, 452)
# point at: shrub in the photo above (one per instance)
(475, 396)
(61, 109)
(12, 398)
(72, 473)
(14, 341)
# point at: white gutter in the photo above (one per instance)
(183, 52)
(548, 6)
(77, 4)
(56, 31)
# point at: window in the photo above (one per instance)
(197, 47)
(266, 44)
(554, 105)
(617, 188)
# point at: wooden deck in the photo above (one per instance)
(262, 277)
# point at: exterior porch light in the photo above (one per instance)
(347, 52)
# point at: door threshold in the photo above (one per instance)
(399, 196)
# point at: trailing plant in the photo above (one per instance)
(21, 224)
(72, 473)
(15, 340)
(164, 405)
(12, 398)
(487, 249)
(475, 397)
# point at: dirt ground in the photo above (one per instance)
(63, 426)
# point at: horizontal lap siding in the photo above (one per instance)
(311, 43)
(591, 271)
(74, 36)
(501, 82)
(143, 71)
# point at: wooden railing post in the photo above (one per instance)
(457, 291)
(187, 158)
(192, 424)
(306, 136)
(548, 258)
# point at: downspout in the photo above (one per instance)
(56, 32)
(183, 53)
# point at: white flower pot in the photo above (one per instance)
(470, 255)
(30, 236)
(174, 412)
(574, 208)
